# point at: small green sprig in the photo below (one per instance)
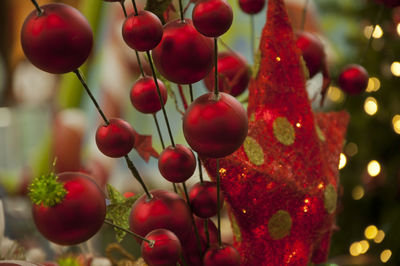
(46, 190)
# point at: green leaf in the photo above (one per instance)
(158, 7)
(118, 210)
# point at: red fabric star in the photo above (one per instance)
(281, 184)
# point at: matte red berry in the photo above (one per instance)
(144, 95)
(166, 250)
(312, 50)
(165, 210)
(59, 40)
(233, 74)
(353, 79)
(143, 31)
(78, 217)
(184, 56)
(222, 256)
(203, 199)
(251, 6)
(212, 18)
(215, 127)
(177, 164)
(115, 139)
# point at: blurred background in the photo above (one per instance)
(43, 116)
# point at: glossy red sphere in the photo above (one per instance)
(166, 250)
(203, 199)
(389, 3)
(59, 40)
(144, 95)
(353, 79)
(251, 6)
(215, 127)
(165, 210)
(212, 18)
(177, 164)
(78, 217)
(233, 74)
(143, 31)
(312, 50)
(184, 56)
(222, 256)
(115, 139)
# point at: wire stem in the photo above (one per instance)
(216, 92)
(200, 169)
(252, 36)
(137, 176)
(191, 92)
(151, 242)
(135, 7)
(181, 10)
(39, 10)
(123, 8)
(304, 15)
(218, 205)
(139, 63)
(159, 131)
(82, 80)
(160, 98)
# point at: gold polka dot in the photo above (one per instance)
(330, 198)
(279, 224)
(283, 131)
(320, 134)
(253, 151)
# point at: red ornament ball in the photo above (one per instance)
(222, 256)
(115, 139)
(212, 18)
(184, 56)
(165, 251)
(203, 199)
(144, 95)
(353, 79)
(78, 216)
(142, 32)
(233, 74)
(177, 164)
(215, 126)
(389, 3)
(164, 210)
(251, 6)
(59, 40)
(312, 50)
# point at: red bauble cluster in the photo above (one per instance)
(233, 74)
(184, 56)
(353, 79)
(177, 164)
(142, 31)
(222, 256)
(165, 251)
(312, 50)
(115, 139)
(59, 40)
(212, 18)
(215, 126)
(165, 210)
(78, 217)
(144, 95)
(203, 199)
(251, 6)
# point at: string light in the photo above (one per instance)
(395, 68)
(364, 246)
(396, 124)
(342, 161)
(370, 106)
(379, 237)
(378, 32)
(351, 149)
(335, 94)
(357, 193)
(398, 29)
(373, 168)
(385, 255)
(355, 249)
(370, 232)
(374, 84)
